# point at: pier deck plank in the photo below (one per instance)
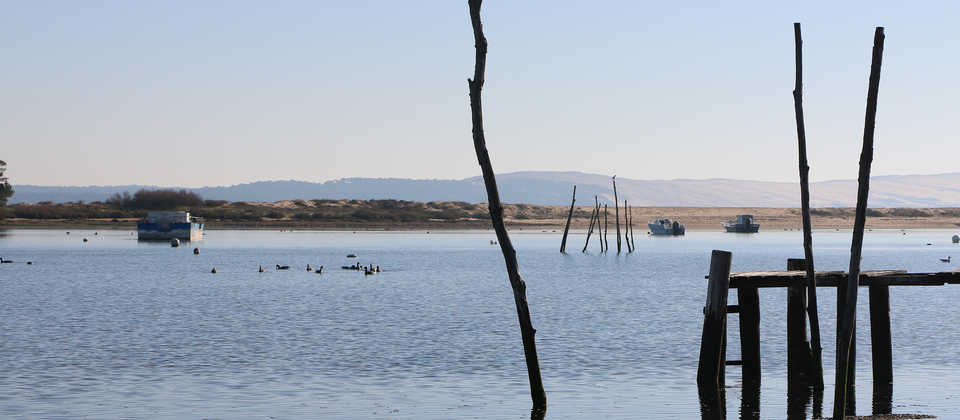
(832, 278)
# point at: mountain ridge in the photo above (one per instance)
(554, 188)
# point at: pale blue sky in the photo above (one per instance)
(210, 93)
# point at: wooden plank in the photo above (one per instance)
(831, 278)
(714, 322)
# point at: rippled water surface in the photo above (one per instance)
(115, 328)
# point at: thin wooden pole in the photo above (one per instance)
(616, 208)
(528, 333)
(596, 203)
(847, 323)
(633, 242)
(812, 311)
(714, 322)
(606, 229)
(593, 216)
(563, 243)
(626, 226)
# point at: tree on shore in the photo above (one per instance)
(156, 200)
(6, 190)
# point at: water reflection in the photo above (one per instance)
(800, 398)
(538, 414)
(882, 398)
(713, 404)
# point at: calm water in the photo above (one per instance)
(114, 328)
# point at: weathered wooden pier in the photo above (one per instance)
(801, 368)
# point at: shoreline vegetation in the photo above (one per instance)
(447, 215)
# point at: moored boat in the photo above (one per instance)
(664, 226)
(167, 225)
(743, 224)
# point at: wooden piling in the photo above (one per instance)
(847, 323)
(606, 230)
(748, 301)
(527, 332)
(816, 370)
(593, 217)
(714, 322)
(616, 209)
(596, 201)
(563, 243)
(798, 349)
(633, 245)
(880, 339)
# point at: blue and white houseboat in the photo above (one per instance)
(167, 225)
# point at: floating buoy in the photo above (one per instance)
(956, 238)
(196, 251)
(214, 271)
(174, 242)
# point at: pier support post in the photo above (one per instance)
(880, 340)
(748, 299)
(709, 372)
(798, 348)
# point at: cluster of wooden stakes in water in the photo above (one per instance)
(603, 229)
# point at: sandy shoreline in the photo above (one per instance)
(695, 218)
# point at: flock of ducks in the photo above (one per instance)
(367, 270)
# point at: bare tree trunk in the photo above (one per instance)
(563, 243)
(633, 242)
(527, 331)
(616, 208)
(812, 311)
(847, 322)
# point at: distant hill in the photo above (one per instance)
(553, 188)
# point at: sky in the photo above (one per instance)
(186, 93)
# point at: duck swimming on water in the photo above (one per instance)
(261, 269)
(283, 267)
(946, 260)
